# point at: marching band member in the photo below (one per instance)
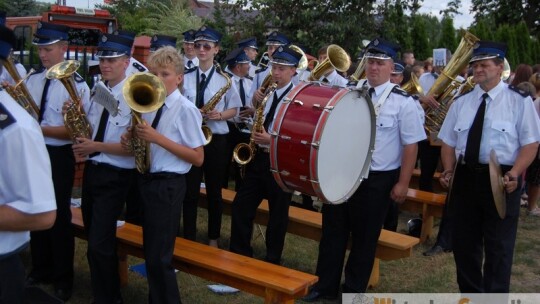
(398, 131)
(135, 66)
(53, 249)
(202, 85)
(273, 41)
(27, 199)
(259, 182)
(190, 56)
(176, 143)
(249, 45)
(108, 171)
(332, 78)
(239, 64)
(491, 116)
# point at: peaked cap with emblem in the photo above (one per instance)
(111, 46)
(248, 42)
(49, 33)
(277, 38)
(160, 41)
(189, 36)
(382, 49)
(208, 34)
(488, 50)
(285, 55)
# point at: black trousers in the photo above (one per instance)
(429, 159)
(53, 249)
(483, 242)
(213, 168)
(259, 184)
(104, 192)
(361, 218)
(162, 196)
(11, 279)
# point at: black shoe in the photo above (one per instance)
(435, 250)
(315, 295)
(63, 294)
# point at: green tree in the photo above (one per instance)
(506, 33)
(523, 43)
(22, 8)
(419, 38)
(448, 34)
(509, 12)
(171, 18)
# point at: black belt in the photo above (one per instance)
(477, 168)
(161, 175)
(374, 172)
(263, 150)
(105, 165)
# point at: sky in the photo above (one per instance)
(432, 7)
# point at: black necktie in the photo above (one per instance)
(155, 122)
(325, 80)
(100, 134)
(472, 150)
(270, 115)
(242, 92)
(202, 86)
(43, 102)
(371, 92)
(189, 63)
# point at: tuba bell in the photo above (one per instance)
(412, 86)
(336, 58)
(144, 93)
(75, 119)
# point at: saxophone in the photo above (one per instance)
(19, 92)
(212, 103)
(75, 119)
(243, 153)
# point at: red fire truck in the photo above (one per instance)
(86, 25)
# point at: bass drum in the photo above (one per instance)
(322, 141)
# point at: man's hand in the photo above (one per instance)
(429, 101)
(510, 182)
(262, 138)
(84, 147)
(445, 178)
(258, 97)
(399, 193)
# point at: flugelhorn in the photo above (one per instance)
(143, 93)
(75, 119)
(19, 92)
(336, 58)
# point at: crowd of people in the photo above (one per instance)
(201, 95)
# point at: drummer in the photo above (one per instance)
(259, 182)
(398, 129)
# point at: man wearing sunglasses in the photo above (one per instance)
(200, 86)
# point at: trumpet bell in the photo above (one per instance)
(63, 69)
(144, 92)
(242, 154)
(337, 58)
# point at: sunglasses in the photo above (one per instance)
(205, 46)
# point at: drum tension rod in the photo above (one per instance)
(299, 102)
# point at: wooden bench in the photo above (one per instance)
(415, 178)
(430, 205)
(308, 224)
(276, 284)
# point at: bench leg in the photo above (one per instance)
(374, 278)
(122, 267)
(272, 297)
(427, 224)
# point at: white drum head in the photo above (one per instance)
(346, 144)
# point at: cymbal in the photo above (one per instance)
(497, 184)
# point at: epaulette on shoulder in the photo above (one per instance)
(518, 90)
(139, 67)
(260, 70)
(6, 119)
(398, 90)
(190, 70)
(249, 77)
(78, 78)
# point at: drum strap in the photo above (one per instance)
(382, 99)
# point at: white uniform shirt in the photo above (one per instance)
(194, 62)
(115, 127)
(29, 188)
(260, 75)
(252, 69)
(335, 79)
(6, 77)
(228, 101)
(180, 122)
(426, 81)
(56, 96)
(510, 122)
(135, 66)
(397, 124)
